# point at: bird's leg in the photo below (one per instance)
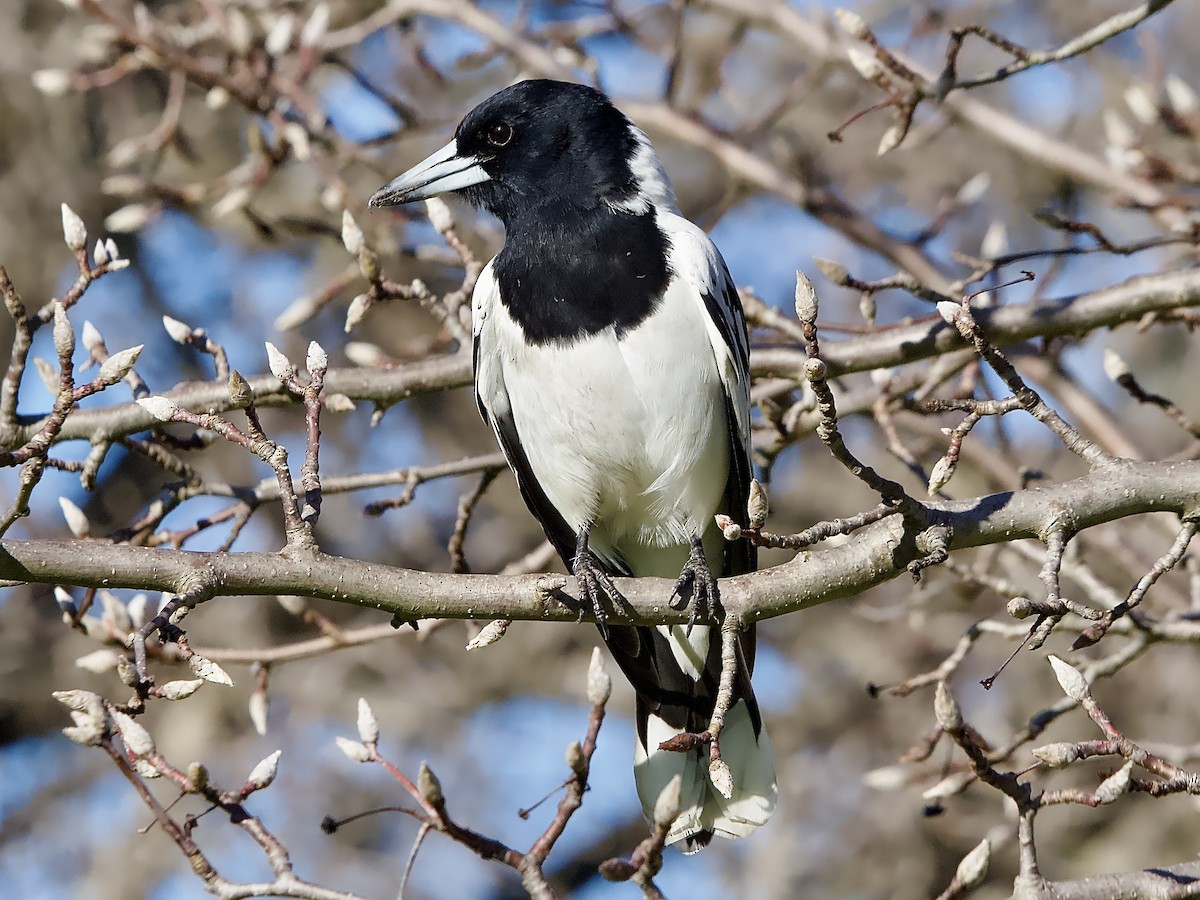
(594, 582)
(697, 576)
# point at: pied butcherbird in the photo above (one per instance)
(611, 360)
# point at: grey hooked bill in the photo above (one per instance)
(439, 173)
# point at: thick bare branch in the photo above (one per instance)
(876, 554)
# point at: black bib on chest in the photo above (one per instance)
(563, 278)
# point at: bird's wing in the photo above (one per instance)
(645, 654)
(696, 260)
(491, 395)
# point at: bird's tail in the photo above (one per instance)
(704, 810)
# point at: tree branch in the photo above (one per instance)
(878, 553)
(1003, 326)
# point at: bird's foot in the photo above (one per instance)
(696, 588)
(594, 586)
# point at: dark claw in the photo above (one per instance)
(594, 585)
(697, 577)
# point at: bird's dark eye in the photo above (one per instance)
(499, 134)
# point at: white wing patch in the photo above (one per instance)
(653, 186)
(489, 380)
(697, 261)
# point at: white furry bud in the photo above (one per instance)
(281, 367)
(865, 62)
(946, 710)
(52, 82)
(1117, 130)
(1115, 784)
(76, 520)
(1141, 104)
(98, 661)
(240, 33)
(122, 185)
(64, 334)
(973, 867)
(357, 311)
(364, 354)
(1114, 367)
(757, 505)
(178, 690)
(257, 707)
(886, 778)
(118, 365)
(807, 305)
(92, 339)
(995, 241)
(297, 138)
(339, 403)
(940, 475)
(316, 26)
(1181, 96)
(368, 726)
(263, 774)
(721, 777)
(208, 670)
(127, 218)
(892, 138)
(179, 332)
(293, 604)
(279, 38)
(159, 407)
(730, 529)
(80, 701)
(599, 682)
(1070, 679)
(1056, 755)
(439, 214)
(352, 236)
(835, 272)
(973, 189)
(317, 359)
(65, 601)
(488, 634)
(123, 153)
(136, 738)
(137, 609)
(74, 231)
(233, 200)
(217, 98)
(852, 23)
(353, 749)
(297, 313)
(950, 786)
(48, 373)
(949, 310)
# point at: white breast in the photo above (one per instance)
(625, 436)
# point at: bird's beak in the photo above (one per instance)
(441, 173)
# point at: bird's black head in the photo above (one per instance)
(535, 144)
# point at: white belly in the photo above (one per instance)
(626, 437)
